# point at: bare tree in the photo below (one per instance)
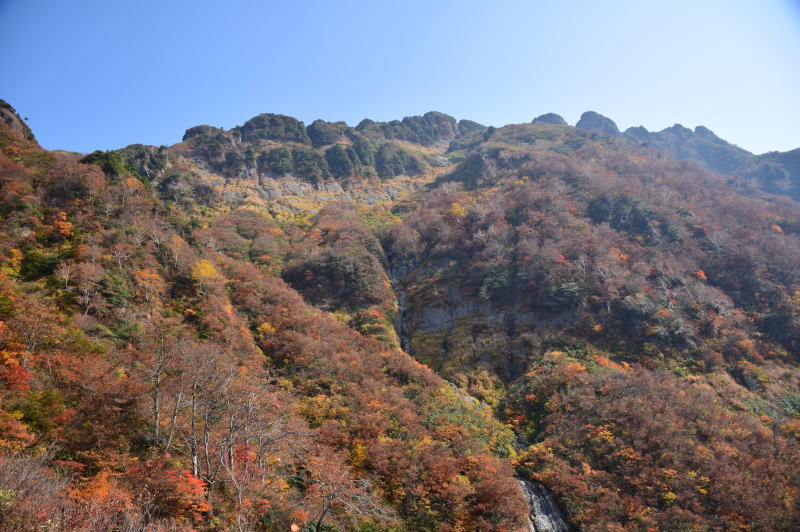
(65, 270)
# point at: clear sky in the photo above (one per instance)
(107, 73)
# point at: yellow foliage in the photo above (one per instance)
(15, 258)
(457, 210)
(603, 432)
(628, 453)
(265, 329)
(203, 270)
(358, 455)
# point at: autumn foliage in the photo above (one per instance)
(582, 312)
(155, 373)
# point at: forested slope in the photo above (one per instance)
(208, 336)
(634, 319)
(152, 378)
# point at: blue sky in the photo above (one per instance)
(104, 74)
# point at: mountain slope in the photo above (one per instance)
(578, 282)
(774, 172)
(172, 383)
(209, 335)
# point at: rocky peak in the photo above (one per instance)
(638, 133)
(549, 118)
(705, 132)
(679, 129)
(201, 131)
(465, 127)
(268, 126)
(323, 133)
(598, 123)
(429, 129)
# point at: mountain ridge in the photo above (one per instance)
(775, 172)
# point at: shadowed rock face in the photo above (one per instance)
(550, 118)
(429, 129)
(598, 123)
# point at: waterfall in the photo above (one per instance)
(400, 296)
(545, 516)
(400, 320)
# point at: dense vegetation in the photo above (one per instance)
(181, 347)
(607, 301)
(154, 373)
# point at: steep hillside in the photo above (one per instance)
(422, 324)
(154, 374)
(604, 300)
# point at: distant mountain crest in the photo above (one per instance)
(775, 172)
(550, 118)
(598, 123)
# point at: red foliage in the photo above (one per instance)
(171, 491)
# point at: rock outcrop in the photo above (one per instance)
(598, 123)
(12, 119)
(550, 118)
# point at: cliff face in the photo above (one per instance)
(15, 123)
(276, 162)
(700, 145)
